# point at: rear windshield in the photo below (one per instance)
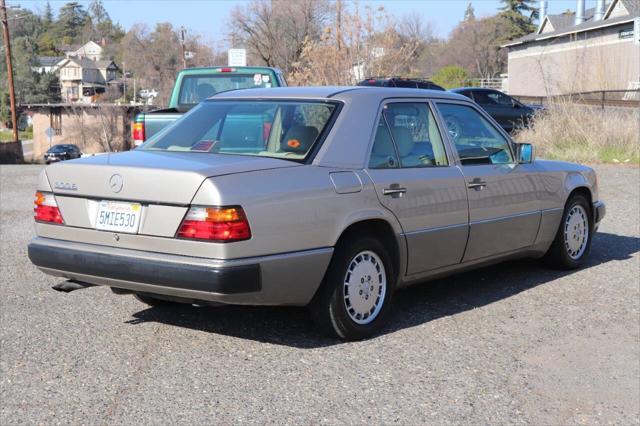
(278, 129)
(196, 88)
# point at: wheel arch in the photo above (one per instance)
(586, 193)
(381, 228)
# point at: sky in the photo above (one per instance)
(209, 18)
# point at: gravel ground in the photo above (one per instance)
(513, 343)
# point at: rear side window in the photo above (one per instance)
(407, 134)
(476, 140)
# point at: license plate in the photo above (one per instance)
(118, 216)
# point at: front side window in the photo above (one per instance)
(414, 134)
(279, 129)
(476, 140)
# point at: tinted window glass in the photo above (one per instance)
(415, 134)
(482, 97)
(475, 138)
(195, 88)
(279, 129)
(406, 83)
(500, 98)
(383, 154)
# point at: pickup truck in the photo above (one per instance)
(194, 85)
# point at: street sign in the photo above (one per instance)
(237, 57)
(50, 133)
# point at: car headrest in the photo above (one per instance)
(299, 139)
(204, 91)
(404, 140)
(382, 145)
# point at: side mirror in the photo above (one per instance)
(525, 153)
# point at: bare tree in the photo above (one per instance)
(154, 57)
(371, 43)
(275, 31)
(475, 46)
(99, 128)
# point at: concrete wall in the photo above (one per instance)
(598, 60)
(11, 153)
(88, 128)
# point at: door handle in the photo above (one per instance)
(477, 184)
(394, 190)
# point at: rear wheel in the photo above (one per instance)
(155, 302)
(573, 239)
(354, 300)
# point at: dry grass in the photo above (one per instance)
(585, 134)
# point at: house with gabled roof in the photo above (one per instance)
(90, 50)
(83, 79)
(578, 51)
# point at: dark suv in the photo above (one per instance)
(507, 111)
(414, 83)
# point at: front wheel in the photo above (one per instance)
(355, 297)
(572, 243)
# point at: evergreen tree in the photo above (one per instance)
(47, 17)
(470, 13)
(71, 20)
(513, 15)
(98, 12)
(522, 7)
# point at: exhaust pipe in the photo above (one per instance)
(69, 286)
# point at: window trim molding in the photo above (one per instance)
(449, 150)
(484, 114)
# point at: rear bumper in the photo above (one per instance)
(284, 279)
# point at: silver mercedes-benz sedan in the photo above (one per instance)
(331, 197)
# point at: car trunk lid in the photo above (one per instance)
(148, 176)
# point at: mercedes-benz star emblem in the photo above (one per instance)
(115, 183)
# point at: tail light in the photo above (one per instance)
(226, 69)
(46, 209)
(218, 224)
(137, 132)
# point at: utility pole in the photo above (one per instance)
(124, 79)
(339, 24)
(184, 59)
(7, 45)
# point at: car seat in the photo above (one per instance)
(298, 139)
(404, 141)
(204, 91)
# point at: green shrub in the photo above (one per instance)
(451, 76)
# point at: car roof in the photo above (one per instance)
(473, 89)
(336, 92)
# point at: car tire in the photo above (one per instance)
(353, 302)
(572, 242)
(154, 302)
